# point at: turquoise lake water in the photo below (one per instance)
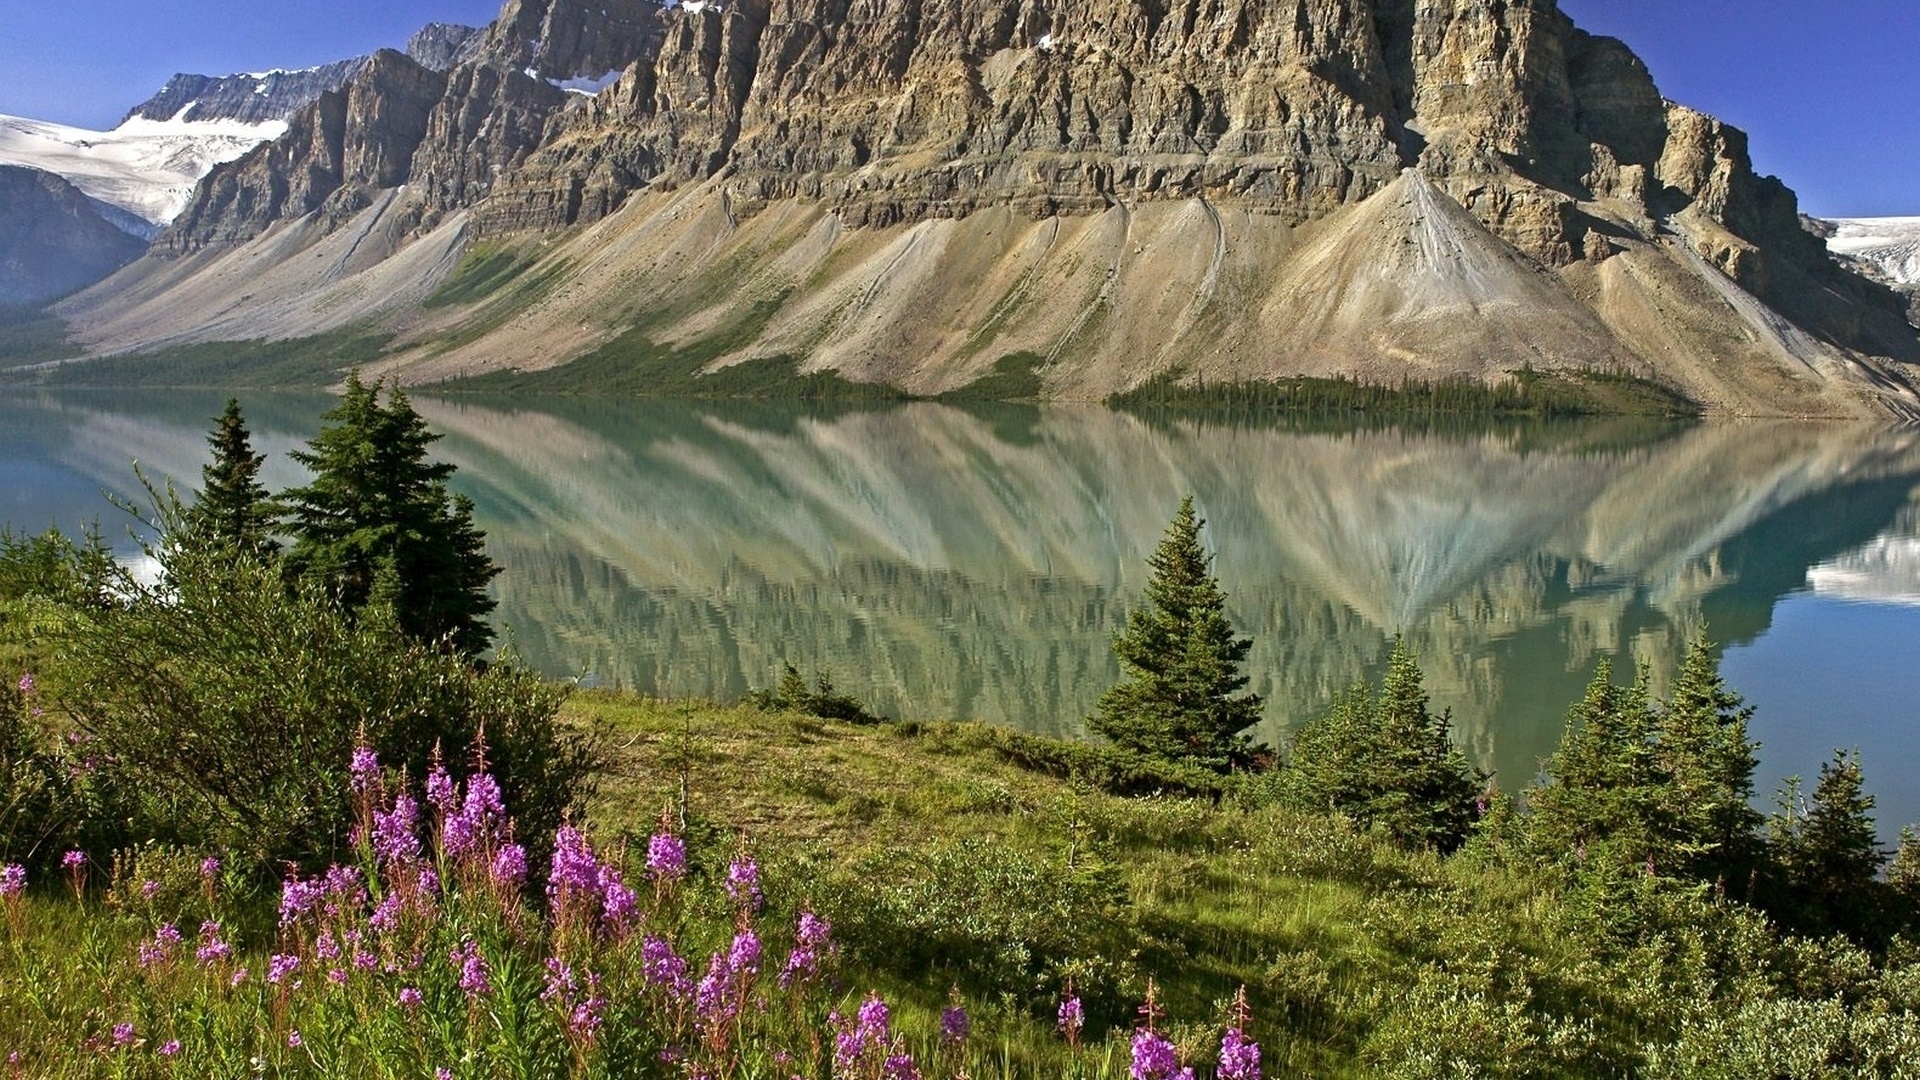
(974, 562)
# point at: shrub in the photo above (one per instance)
(792, 694)
(227, 701)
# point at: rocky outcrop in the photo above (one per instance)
(53, 238)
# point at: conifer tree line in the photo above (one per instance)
(376, 524)
(1639, 787)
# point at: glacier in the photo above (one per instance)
(145, 167)
(1890, 244)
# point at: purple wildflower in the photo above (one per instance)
(281, 965)
(743, 884)
(618, 904)
(294, 1040)
(73, 860)
(13, 880)
(410, 998)
(666, 858)
(664, 968)
(298, 897)
(870, 1035)
(170, 1048)
(1239, 1056)
(477, 826)
(440, 790)
(363, 771)
(510, 867)
(1154, 1057)
(149, 889)
(365, 960)
(744, 957)
(210, 867)
(212, 949)
(955, 1024)
(27, 684)
(559, 980)
(474, 979)
(1072, 1018)
(812, 941)
(899, 1066)
(396, 839)
(123, 1034)
(713, 999)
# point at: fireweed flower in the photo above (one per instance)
(212, 949)
(899, 1066)
(123, 1034)
(298, 897)
(410, 998)
(170, 1048)
(149, 889)
(1072, 1018)
(1239, 1056)
(618, 904)
(440, 790)
(510, 867)
(293, 1040)
(281, 965)
(744, 957)
(1153, 1057)
(869, 1036)
(13, 880)
(743, 884)
(26, 684)
(363, 772)
(663, 968)
(396, 833)
(955, 1024)
(210, 868)
(713, 1000)
(474, 978)
(666, 858)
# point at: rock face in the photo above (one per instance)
(442, 46)
(53, 239)
(1289, 115)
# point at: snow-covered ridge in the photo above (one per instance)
(1891, 244)
(145, 167)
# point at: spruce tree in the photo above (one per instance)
(1709, 760)
(1180, 696)
(1602, 791)
(377, 521)
(1829, 851)
(233, 507)
(1387, 761)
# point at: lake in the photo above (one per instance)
(974, 562)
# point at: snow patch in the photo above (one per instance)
(1892, 244)
(585, 86)
(1045, 44)
(146, 167)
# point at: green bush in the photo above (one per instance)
(230, 703)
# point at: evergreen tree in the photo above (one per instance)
(1708, 761)
(377, 522)
(233, 507)
(1180, 696)
(1603, 788)
(1387, 761)
(1903, 877)
(1828, 850)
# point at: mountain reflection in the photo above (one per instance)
(957, 562)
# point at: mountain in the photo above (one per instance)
(919, 193)
(53, 239)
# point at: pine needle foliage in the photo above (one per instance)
(378, 523)
(1181, 693)
(1387, 761)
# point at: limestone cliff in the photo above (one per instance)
(1218, 184)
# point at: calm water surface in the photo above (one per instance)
(948, 562)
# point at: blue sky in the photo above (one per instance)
(1829, 91)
